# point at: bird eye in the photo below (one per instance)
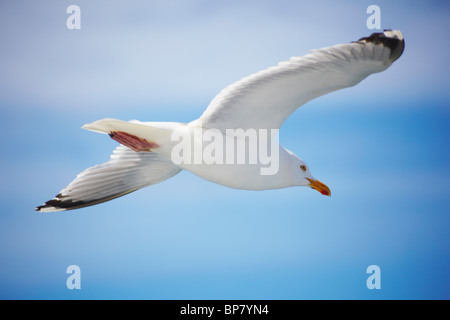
(303, 167)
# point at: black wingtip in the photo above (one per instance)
(39, 209)
(56, 204)
(62, 203)
(393, 39)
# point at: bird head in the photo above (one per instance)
(306, 179)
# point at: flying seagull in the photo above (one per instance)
(262, 101)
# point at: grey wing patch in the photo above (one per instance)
(127, 171)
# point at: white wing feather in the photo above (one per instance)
(266, 98)
(127, 171)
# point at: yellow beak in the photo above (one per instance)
(319, 186)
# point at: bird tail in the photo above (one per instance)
(136, 135)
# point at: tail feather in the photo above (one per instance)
(151, 132)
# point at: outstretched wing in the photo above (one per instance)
(125, 172)
(267, 98)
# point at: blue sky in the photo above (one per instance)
(381, 147)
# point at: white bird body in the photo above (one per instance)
(257, 105)
(227, 174)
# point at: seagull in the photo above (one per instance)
(258, 104)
